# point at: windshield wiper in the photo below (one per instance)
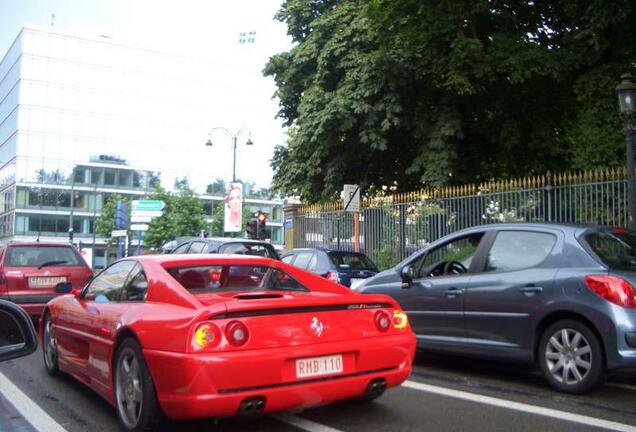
(51, 263)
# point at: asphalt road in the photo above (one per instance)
(444, 394)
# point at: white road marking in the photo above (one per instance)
(303, 423)
(621, 386)
(27, 408)
(522, 407)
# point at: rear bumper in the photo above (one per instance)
(213, 385)
(32, 304)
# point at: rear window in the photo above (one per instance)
(351, 260)
(41, 256)
(616, 250)
(263, 250)
(217, 279)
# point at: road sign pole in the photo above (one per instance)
(120, 251)
(356, 237)
(139, 242)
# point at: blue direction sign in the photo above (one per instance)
(148, 205)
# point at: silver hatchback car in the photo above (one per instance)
(559, 296)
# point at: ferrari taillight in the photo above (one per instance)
(382, 321)
(613, 289)
(236, 333)
(206, 335)
(400, 320)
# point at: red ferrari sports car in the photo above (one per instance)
(189, 336)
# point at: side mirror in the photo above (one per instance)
(63, 288)
(408, 274)
(17, 334)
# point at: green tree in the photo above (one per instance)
(105, 223)
(161, 229)
(182, 216)
(412, 93)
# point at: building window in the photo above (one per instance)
(125, 179)
(109, 177)
(96, 176)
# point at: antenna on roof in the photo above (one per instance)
(52, 20)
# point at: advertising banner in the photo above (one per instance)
(233, 207)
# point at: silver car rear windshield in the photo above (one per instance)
(617, 249)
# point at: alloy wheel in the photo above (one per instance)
(128, 388)
(50, 345)
(568, 356)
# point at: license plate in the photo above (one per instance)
(318, 366)
(45, 281)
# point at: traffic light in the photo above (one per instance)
(262, 225)
(252, 229)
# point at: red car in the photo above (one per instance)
(30, 272)
(193, 336)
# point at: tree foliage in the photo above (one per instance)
(105, 223)
(412, 93)
(182, 216)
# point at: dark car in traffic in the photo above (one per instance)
(344, 267)
(559, 296)
(31, 271)
(225, 245)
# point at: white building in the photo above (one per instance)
(96, 117)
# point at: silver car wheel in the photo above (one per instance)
(568, 355)
(50, 345)
(128, 388)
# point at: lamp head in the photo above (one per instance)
(626, 92)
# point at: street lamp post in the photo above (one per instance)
(234, 137)
(626, 92)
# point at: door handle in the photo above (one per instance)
(529, 290)
(453, 292)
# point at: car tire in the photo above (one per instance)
(49, 346)
(135, 397)
(570, 356)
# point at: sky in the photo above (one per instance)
(206, 29)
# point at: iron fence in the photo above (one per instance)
(392, 227)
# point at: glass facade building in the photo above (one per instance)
(83, 118)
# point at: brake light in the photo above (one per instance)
(206, 336)
(613, 289)
(382, 321)
(333, 277)
(236, 333)
(400, 320)
(619, 230)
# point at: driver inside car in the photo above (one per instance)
(455, 258)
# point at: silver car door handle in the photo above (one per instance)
(531, 290)
(453, 292)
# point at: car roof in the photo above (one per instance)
(37, 243)
(322, 249)
(507, 225)
(221, 240)
(203, 258)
